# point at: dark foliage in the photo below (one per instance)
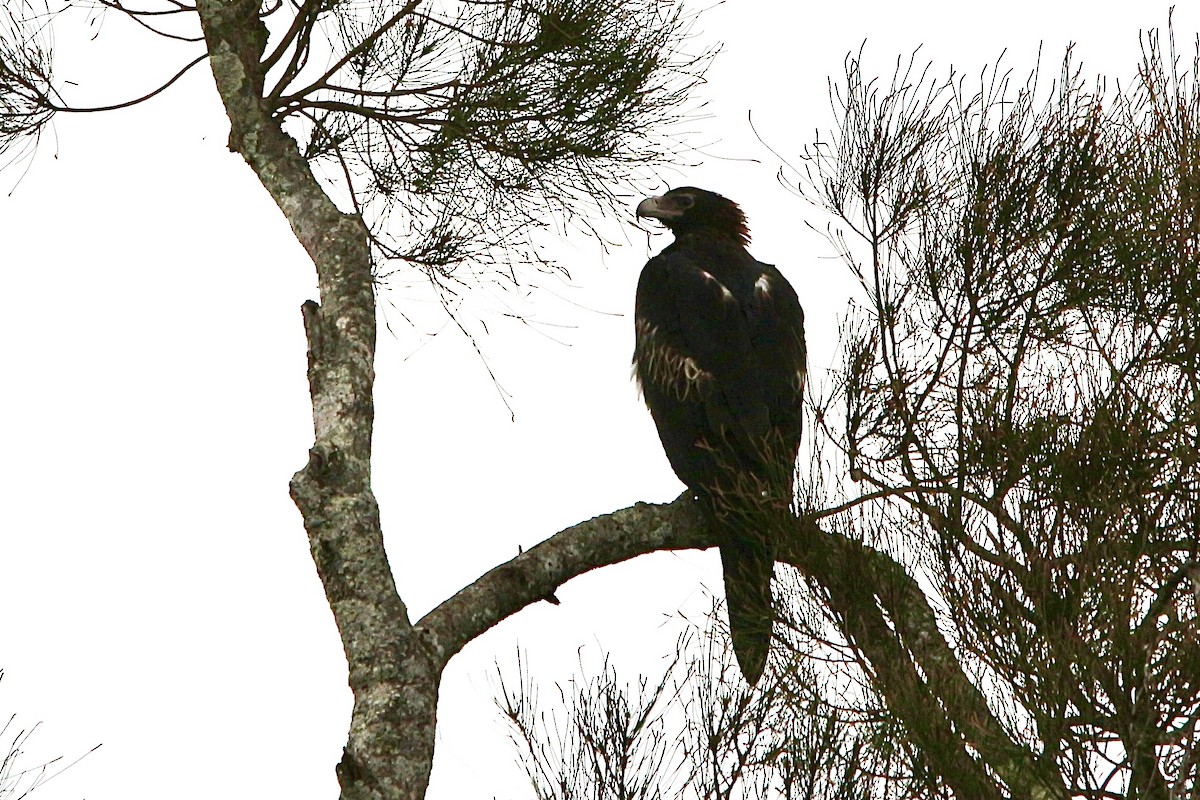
(997, 552)
(457, 129)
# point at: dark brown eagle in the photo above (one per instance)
(720, 358)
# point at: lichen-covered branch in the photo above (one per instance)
(882, 610)
(537, 573)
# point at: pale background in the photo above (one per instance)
(157, 590)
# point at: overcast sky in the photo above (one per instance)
(155, 577)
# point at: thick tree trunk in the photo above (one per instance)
(393, 674)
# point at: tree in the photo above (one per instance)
(953, 739)
(451, 133)
(996, 578)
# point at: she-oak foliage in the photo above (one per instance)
(1023, 379)
(454, 128)
(1015, 425)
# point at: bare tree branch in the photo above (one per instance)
(883, 609)
(537, 573)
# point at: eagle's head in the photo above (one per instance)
(688, 209)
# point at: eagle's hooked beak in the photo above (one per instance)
(656, 208)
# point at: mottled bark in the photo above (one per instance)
(537, 573)
(393, 674)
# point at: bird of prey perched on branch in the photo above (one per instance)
(720, 358)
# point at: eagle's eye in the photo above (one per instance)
(685, 201)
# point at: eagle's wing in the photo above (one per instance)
(775, 322)
(698, 368)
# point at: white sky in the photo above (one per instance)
(155, 576)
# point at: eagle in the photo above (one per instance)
(720, 358)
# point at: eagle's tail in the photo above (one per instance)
(747, 564)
